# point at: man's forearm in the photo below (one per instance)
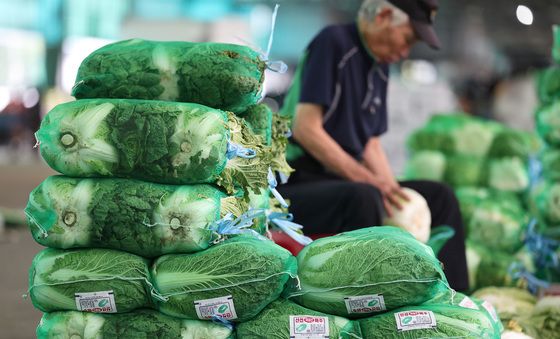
(310, 134)
(375, 159)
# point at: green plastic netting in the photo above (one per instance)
(357, 273)
(510, 302)
(139, 217)
(548, 84)
(545, 202)
(514, 143)
(548, 123)
(550, 161)
(465, 170)
(259, 118)
(427, 165)
(498, 224)
(224, 76)
(65, 280)
(488, 267)
(174, 143)
(260, 201)
(508, 174)
(234, 280)
(140, 324)
(461, 300)
(284, 319)
(429, 321)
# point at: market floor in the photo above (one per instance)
(18, 318)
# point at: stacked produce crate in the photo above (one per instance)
(150, 220)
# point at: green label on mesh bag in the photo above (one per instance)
(309, 327)
(97, 302)
(217, 307)
(365, 303)
(415, 320)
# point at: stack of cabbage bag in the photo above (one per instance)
(545, 196)
(149, 224)
(489, 165)
(381, 278)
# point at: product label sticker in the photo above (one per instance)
(309, 327)
(490, 308)
(365, 304)
(98, 302)
(415, 320)
(217, 307)
(468, 303)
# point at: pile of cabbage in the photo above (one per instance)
(157, 226)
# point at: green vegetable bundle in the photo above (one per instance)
(140, 324)
(354, 274)
(511, 303)
(465, 170)
(498, 225)
(259, 118)
(548, 123)
(223, 76)
(462, 300)
(427, 165)
(282, 319)
(233, 280)
(488, 267)
(469, 199)
(508, 174)
(429, 321)
(174, 143)
(62, 280)
(513, 143)
(550, 160)
(139, 217)
(545, 202)
(544, 320)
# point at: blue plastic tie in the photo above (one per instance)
(542, 248)
(517, 271)
(535, 170)
(221, 321)
(236, 150)
(285, 223)
(229, 225)
(275, 66)
(272, 183)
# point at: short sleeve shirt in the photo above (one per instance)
(340, 75)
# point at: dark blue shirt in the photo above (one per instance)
(340, 75)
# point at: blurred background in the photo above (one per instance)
(491, 51)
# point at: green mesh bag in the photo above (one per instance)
(462, 170)
(544, 320)
(469, 198)
(514, 143)
(223, 76)
(550, 162)
(280, 134)
(545, 202)
(285, 319)
(509, 174)
(173, 143)
(461, 300)
(429, 321)
(510, 302)
(354, 274)
(233, 280)
(548, 84)
(93, 280)
(548, 123)
(497, 225)
(259, 118)
(140, 324)
(139, 217)
(426, 165)
(260, 201)
(458, 134)
(488, 267)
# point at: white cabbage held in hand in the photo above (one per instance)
(414, 216)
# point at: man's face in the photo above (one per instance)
(390, 43)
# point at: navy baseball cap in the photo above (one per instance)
(421, 14)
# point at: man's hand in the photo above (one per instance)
(393, 195)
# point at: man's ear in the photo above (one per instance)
(384, 16)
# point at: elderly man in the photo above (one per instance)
(338, 101)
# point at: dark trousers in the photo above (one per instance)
(326, 204)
